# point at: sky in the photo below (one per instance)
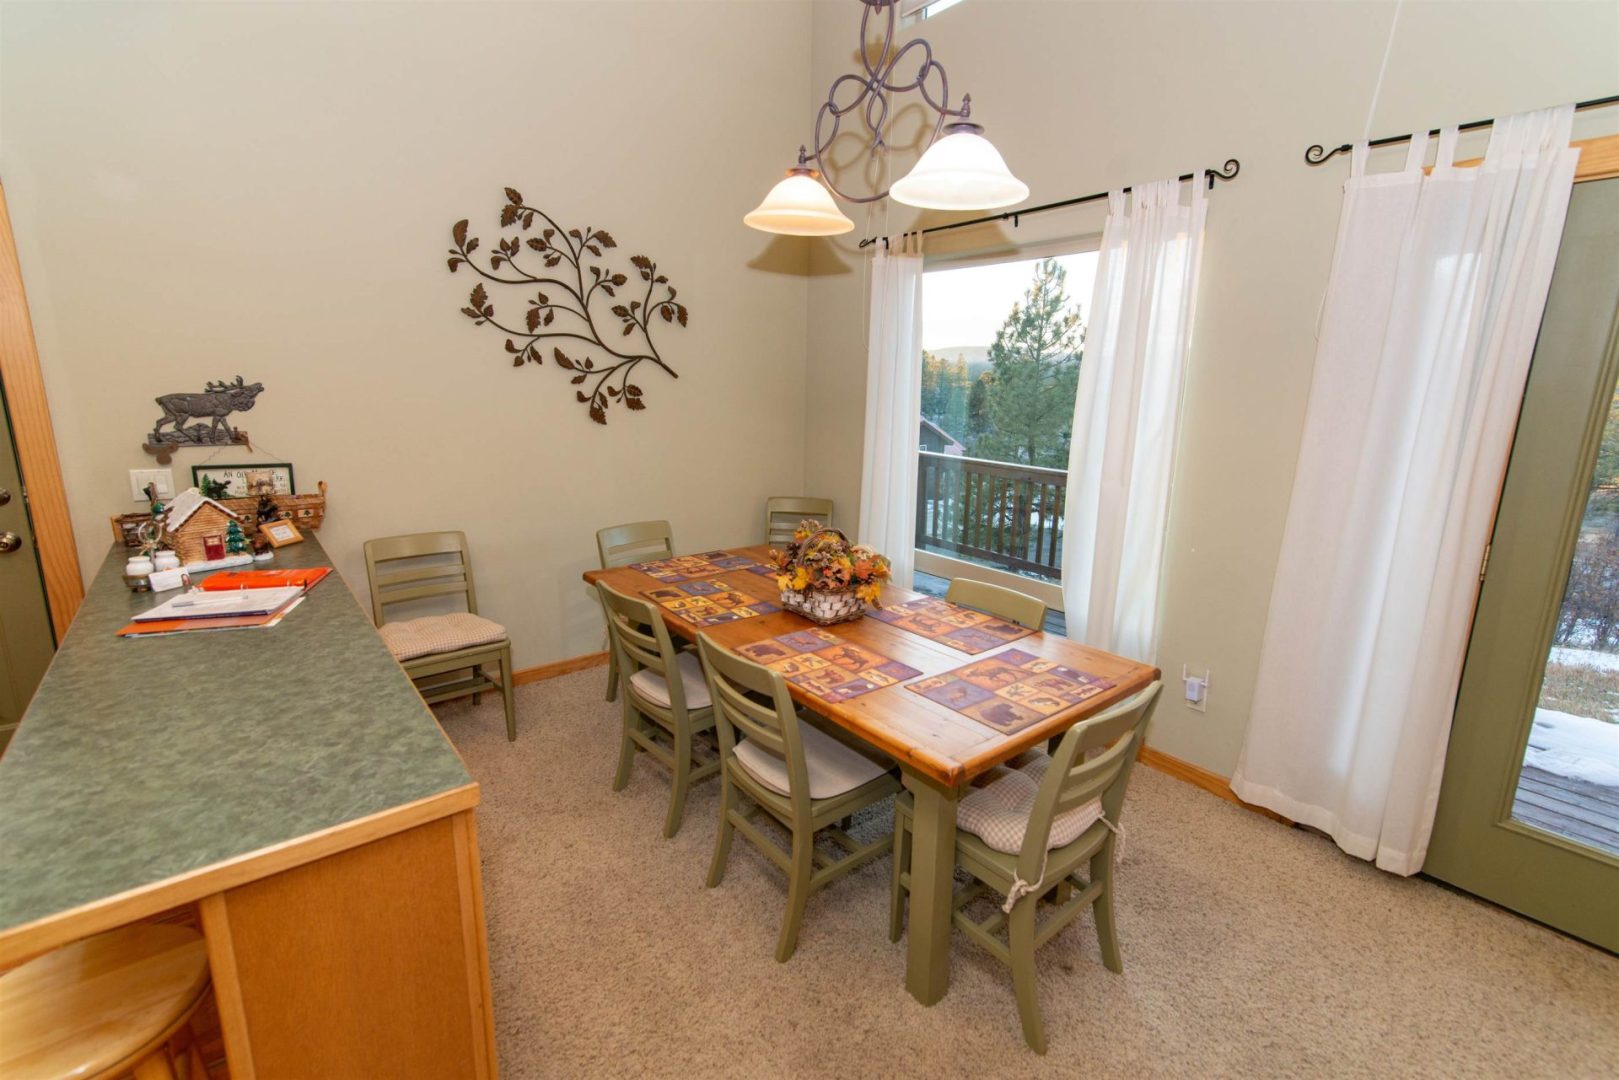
(967, 306)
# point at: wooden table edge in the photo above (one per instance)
(27, 940)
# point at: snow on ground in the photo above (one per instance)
(1574, 746)
(1586, 658)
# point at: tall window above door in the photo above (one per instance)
(1002, 347)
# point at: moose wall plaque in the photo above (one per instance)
(211, 409)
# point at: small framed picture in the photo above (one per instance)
(280, 533)
(246, 481)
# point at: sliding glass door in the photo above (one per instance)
(1529, 811)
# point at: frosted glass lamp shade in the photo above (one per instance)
(799, 205)
(962, 170)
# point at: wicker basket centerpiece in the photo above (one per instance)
(825, 578)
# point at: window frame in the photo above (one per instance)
(952, 566)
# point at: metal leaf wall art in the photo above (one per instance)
(574, 295)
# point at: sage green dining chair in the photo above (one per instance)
(620, 545)
(784, 512)
(1050, 827)
(1001, 602)
(810, 782)
(666, 700)
(445, 654)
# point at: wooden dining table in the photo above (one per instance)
(939, 750)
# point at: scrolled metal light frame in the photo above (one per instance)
(876, 83)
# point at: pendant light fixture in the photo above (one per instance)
(799, 205)
(959, 170)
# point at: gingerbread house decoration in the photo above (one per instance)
(195, 526)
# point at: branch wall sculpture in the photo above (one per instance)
(569, 303)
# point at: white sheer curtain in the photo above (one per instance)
(1432, 309)
(893, 405)
(1126, 417)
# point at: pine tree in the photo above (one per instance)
(978, 411)
(1028, 400)
(955, 399)
(934, 390)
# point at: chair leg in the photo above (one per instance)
(722, 841)
(682, 781)
(902, 862)
(798, 886)
(612, 676)
(1107, 933)
(506, 693)
(626, 747)
(1020, 935)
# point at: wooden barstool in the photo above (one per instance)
(105, 1007)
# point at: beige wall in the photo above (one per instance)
(267, 190)
(1083, 96)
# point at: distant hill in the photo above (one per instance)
(977, 357)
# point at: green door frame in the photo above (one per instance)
(1476, 843)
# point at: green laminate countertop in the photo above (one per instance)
(143, 759)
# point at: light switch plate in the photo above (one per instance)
(139, 478)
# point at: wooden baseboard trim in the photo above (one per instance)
(1197, 776)
(557, 668)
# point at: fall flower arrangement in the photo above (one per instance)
(825, 578)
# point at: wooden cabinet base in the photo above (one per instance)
(370, 962)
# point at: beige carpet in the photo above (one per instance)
(1249, 949)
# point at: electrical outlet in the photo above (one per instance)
(1196, 686)
(139, 478)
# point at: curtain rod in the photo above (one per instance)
(1227, 172)
(1318, 154)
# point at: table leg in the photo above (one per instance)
(933, 862)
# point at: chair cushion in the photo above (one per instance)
(998, 813)
(651, 686)
(439, 634)
(833, 766)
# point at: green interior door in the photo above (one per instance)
(26, 643)
(1528, 813)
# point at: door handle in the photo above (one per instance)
(5, 496)
(9, 541)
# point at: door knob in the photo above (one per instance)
(9, 541)
(5, 496)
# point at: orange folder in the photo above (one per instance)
(222, 580)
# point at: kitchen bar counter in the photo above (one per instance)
(227, 768)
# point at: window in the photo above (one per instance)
(1002, 347)
(914, 11)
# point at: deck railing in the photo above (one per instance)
(991, 512)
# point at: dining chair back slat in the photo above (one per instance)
(620, 545)
(1071, 780)
(640, 639)
(1001, 602)
(393, 584)
(784, 512)
(638, 541)
(754, 700)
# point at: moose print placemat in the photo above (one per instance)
(827, 666)
(690, 567)
(961, 628)
(1010, 690)
(707, 603)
